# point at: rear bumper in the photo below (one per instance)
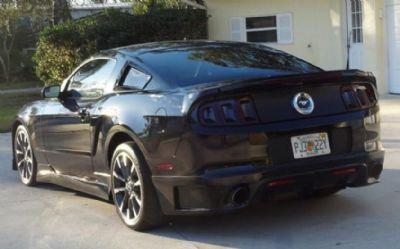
(212, 191)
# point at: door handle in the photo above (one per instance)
(84, 115)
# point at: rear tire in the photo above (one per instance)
(24, 158)
(132, 190)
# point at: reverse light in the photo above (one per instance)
(235, 111)
(371, 145)
(371, 120)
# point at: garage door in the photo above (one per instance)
(393, 29)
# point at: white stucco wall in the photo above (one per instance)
(319, 29)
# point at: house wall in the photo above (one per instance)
(375, 52)
(392, 8)
(319, 29)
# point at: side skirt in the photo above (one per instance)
(87, 185)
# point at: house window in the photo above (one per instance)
(357, 21)
(261, 29)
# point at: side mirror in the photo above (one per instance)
(51, 91)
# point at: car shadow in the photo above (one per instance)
(287, 222)
(319, 223)
(263, 219)
(58, 188)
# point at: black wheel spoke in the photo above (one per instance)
(20, 164)
(118, 176)
(137, 199)
(131, 210)
(124, 203)
(122, 166)
(24, 170)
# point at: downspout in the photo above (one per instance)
(347, 35)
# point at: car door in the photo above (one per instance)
(68, 123)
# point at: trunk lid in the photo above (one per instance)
(273, 97)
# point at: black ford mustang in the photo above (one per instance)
(200, 127)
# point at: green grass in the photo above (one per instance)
(10, 105)
(19, 85)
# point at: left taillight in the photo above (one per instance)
(358, 96)
(233, 111)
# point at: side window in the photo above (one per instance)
(263, 29)
(357, 21)
(135, 79)
(91, 79)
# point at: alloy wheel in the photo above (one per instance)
(23, 155)
(127, 188)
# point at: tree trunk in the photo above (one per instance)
(4, 69)
(60, 11)
(153, 6)
(5, 60)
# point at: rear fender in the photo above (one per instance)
(118, 129)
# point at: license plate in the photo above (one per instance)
(310, 145)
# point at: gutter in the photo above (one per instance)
(348, 37)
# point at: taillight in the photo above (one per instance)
(358, 96)
(235, 111)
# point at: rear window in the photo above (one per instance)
(206, 63)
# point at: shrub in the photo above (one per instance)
(62, 47)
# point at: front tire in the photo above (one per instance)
(132, 190)
(24, 157)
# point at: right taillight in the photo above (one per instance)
(358, 96)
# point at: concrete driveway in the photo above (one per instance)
(48, 216)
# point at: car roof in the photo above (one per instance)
(140, 54)
(138, 49)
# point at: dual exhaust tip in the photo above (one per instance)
(239, 196)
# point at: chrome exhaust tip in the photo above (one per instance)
(239, 196)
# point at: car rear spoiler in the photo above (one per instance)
(325, 77)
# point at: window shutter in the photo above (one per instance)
(236, 25)
(285, 28)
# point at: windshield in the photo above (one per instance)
(205, 63)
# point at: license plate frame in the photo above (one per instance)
(310, 145)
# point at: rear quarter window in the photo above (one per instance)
(134, 78)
